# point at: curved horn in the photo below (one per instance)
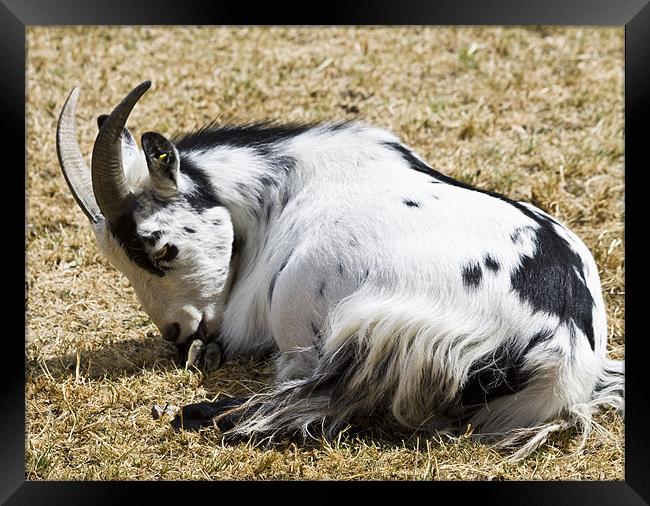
(108, 178)
(74, 169)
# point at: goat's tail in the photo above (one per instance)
(608, 391)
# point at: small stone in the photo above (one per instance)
(157, 411)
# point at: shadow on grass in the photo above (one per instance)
(117, 359)
(133, 357)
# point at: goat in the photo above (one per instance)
(390, 291)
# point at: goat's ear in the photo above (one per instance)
(162, 160)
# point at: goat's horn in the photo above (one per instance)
(108, 178)
(74, 169)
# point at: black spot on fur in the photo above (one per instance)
(410, 203)
(491, 263)
(203, 196)
(189, 230)
(275, 278)
(321, 289)
(472, 275)
(339, 266)
(314, 329)
(551, 280)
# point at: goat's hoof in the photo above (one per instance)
(212, 356)
(198, 354)
(158, 411)
(194, 354)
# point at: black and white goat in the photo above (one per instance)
(389, 290)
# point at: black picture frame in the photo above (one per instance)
(15, 15)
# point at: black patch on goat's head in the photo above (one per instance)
(126, 234)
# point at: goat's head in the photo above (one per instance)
(168, 235)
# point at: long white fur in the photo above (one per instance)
(344, 183)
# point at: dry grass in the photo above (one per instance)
(536, 113)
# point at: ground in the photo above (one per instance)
(533, 112)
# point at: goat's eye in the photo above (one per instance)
(166, 253)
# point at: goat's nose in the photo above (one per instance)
(171, 332)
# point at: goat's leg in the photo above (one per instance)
(203, 414)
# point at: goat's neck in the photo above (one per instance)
(249, 185)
